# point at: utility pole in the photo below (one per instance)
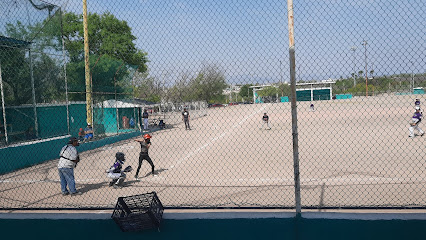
(292, 54)
(412, 76)
(364, 43)
(353, 48)
(87, 67)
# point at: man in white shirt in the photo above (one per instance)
(67, 162)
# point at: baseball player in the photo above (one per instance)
(415, 121)
(145, 145)
(312, 107)
(185, 118)
(417, 104)
(116, 173)
(265, 121)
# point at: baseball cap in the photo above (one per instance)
(72, 139)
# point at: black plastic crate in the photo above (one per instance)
(138, 212)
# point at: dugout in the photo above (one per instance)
(418, 90)
(117, 116)
(51, 119)
(314, 91)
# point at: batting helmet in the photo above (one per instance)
(120, 156)
(147, 136)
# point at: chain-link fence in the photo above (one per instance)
(359, 78)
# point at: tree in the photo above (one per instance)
(177, 93)
(284, 89)
(268, 93)
(208, 85)
(16, 66)
(114, 55)
(107, 36)
(246, 91)
(148, 88)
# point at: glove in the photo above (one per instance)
(128, 169)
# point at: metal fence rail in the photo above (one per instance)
(344, 129)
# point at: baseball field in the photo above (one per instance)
(353, 153)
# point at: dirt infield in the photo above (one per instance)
(353, 153)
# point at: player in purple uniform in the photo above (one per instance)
(415, 121)
(116, 173)
(417, 102)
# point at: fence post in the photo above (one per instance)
(3, 107)
(33, 94)
(294, 107)
(89, 108)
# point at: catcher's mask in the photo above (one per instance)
(120, 156)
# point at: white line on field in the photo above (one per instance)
(304, 181)
(178, 162)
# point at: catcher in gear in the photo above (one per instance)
(116, 173)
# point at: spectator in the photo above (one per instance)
(29, 134)
(132, 122)
(81, 135)
(125, 122)
(88, 131)
(67, 162)
(145, 116)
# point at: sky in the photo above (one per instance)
(248, 39)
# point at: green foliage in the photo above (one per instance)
(148, 88)
(107, 36)
(114, 57)
(246, 91)
(109, 78)
(46, 67)
(284, 89)
(268, 92)
(208, 85)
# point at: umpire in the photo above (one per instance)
(67, 162)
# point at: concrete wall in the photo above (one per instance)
(28, 154)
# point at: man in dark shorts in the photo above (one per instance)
(185, 118)
(145, 145)
(265, 121)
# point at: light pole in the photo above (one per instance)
(364, 43)
(412, 76)
(353, 48)
(281, 79)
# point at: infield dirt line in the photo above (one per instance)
(212, 140)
